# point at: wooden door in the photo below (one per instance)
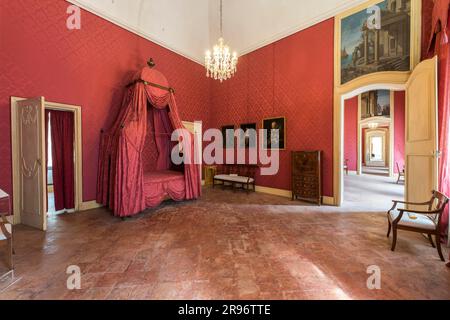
(32, 160)
(421, 148)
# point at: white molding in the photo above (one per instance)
(90, 205)
(131, 29)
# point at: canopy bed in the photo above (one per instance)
(135, 171)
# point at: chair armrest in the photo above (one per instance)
(412, 203)
(420, 212)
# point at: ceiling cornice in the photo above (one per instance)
(269, 40)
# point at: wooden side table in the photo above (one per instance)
(209, 172)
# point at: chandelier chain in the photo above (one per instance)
(221, 64)
(221, 19)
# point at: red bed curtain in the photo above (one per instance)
(62, 135)
(121, 171)
(439, 45)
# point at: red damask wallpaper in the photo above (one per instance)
(351, 133)
(293, 78)
(88, 67)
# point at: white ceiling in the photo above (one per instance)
(190, 27)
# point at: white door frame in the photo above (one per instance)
(375, 82)
(381, 133)
(78, 161)
(390, 122)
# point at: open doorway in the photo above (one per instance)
(60, 140)
(374, 144)
(33, 123)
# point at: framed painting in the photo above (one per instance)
(376, 103)
(249, 140)
(274, 133)
(378, 36)
(228, 136)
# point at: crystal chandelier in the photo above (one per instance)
(221, 64)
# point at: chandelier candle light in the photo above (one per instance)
(221, 64)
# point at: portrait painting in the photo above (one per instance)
(275, 133)
(249, 138)
(376, 39)
(228, 136)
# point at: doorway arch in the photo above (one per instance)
(393, 81)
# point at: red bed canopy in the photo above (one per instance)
(122, 184)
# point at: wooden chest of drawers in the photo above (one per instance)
(307, 176)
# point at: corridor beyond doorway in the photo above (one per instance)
(371, 192)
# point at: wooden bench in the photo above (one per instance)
(236, 177)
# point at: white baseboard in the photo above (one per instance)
(288, 194)
(85, 206)
(274, 191)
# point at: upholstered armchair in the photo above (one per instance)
(426, 222)
(6, 235)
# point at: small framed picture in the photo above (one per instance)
(275, 133)
(228, 136)
(249, 140)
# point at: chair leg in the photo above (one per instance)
(431, 240)
(10, 254)
(389, 228)
(438, 244)
(394, 239)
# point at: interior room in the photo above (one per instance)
(272, 150)
(374, 146)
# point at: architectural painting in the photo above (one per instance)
(376, 39)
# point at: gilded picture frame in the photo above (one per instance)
(380, 48)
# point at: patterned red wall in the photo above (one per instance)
(293, 78)
(88, 67)
(351, 133)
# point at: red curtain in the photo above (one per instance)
(120, 183)
(46, 117)
(62, 135)
(439, 45)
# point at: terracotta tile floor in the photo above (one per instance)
(226, 246)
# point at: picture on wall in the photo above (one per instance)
(275, 133)
(249, 140)
(228, 137)
(376, 39)
(376, 103)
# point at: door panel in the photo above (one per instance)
(33, 206)
(421, 132)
